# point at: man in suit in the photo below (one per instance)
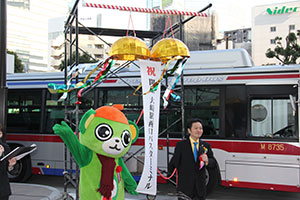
(187, 160)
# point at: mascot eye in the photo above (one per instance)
(125, 138)
(103, 132)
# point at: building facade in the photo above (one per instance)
(238, 38)
(270, 21)
(90, 44)
(99, 18)
(27, 30)
(200, 33)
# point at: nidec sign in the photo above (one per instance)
(282, 10)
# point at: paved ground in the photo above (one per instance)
(51, 188)
(21, 191)
(165, 192)
(27, 191)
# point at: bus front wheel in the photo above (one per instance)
(21, 171)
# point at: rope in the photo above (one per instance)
(145, 10)
(166, 26)
(130, 20)
(167, 178)
(139, 117)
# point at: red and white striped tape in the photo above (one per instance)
(145, 10)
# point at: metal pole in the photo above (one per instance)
(182, 84)
(66, 107)
(3, 88)
(77, 105)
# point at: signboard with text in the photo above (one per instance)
(150, 73)
(282, 10)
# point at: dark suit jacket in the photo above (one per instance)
(4, 182)
(189, 175)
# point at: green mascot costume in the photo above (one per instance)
(105, 136)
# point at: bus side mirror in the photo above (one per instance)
(293, 102)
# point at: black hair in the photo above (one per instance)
(191, 121)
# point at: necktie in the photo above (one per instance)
(195, 151)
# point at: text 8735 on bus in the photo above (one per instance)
(247, 114)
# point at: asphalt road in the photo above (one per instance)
(168, 191)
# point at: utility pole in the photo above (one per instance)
(3, 88)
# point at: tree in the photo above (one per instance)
(82, 59)
(19, 67)
(288, 54)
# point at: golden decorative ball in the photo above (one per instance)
(129, 48)
(167, 48)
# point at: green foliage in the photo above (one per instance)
(288, 54)
(19, 67)
(166, 3)
(82, 59)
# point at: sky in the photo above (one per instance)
(235, 14)
(232, 14)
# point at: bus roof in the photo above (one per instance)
(211, 59)
(276, 74)
(214, 59)
(232, 66)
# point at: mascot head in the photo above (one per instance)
(107, 131)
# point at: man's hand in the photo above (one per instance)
(1, 150)
(204, 158)
(12, 161)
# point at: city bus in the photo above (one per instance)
(247, 112)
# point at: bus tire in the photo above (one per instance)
(213, 178)
(21, 171)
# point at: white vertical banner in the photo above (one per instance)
(150, 73)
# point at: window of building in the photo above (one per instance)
(89, 46)
(25, 4)
(272, 41)
(99, 56)
(273, 29)
(99, 46)
(292, 27)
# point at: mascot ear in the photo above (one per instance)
(86, 120)
(134, 131)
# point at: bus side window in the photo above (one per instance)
(55, 111)
(24, 110)
(272, 118)
(204, 103)
(235, 112)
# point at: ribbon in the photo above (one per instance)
(55, 88)
(97, 79)
(169, 91)
(204, 151)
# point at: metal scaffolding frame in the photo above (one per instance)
(72, 30)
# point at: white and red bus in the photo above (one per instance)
(246, 110)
